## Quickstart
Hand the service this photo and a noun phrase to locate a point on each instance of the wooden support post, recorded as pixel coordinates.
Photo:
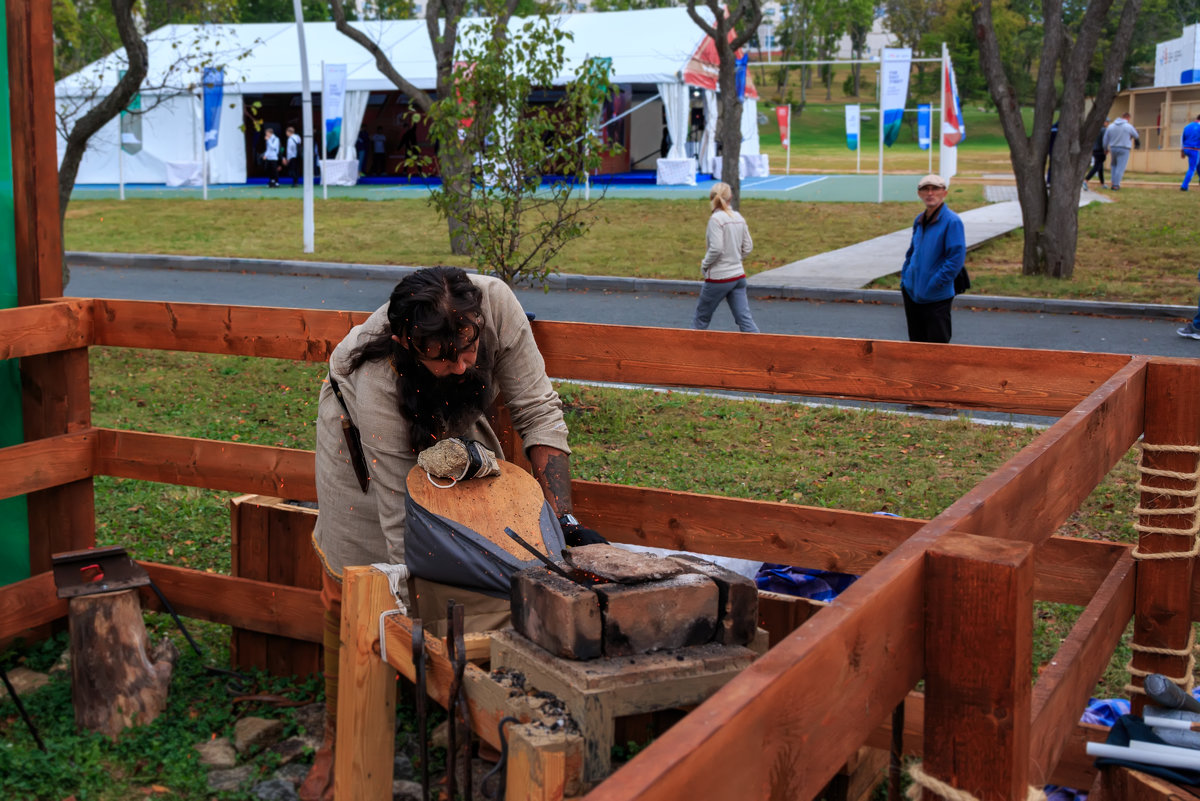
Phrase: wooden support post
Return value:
(540, 763)
(1162, 606)
(978, 643)
(366, 735)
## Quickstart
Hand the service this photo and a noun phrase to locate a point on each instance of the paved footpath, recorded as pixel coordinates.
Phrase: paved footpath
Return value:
(858, 265)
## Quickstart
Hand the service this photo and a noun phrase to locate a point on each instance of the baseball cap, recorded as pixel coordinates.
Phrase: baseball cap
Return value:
(932, 180)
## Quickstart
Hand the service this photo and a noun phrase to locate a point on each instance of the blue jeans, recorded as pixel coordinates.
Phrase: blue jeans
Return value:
(1193, 156)
(1120, 157)
(732, 292)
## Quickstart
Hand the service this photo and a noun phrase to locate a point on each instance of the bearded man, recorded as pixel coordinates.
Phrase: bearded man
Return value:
(422, 368)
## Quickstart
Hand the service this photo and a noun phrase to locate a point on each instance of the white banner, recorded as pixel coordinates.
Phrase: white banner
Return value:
(897, 63)
(333, 97)
(853, 114)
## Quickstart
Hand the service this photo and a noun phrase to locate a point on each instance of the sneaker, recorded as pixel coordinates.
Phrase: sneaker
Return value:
(1190, 331)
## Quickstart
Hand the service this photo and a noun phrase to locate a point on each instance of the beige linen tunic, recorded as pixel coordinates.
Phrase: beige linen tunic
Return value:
(356, 528)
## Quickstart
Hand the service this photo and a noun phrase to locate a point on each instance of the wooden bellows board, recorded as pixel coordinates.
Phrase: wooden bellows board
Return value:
(512, 499)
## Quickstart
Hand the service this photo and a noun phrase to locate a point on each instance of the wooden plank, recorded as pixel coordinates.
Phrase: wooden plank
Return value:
(780, 614)
(29, 603)
(38, 226)
(191, 462)
(299, 334)
(55, 400)
(1029, 381)
(1075, 767)
(1033, 493)
(978, 643)
(1062, 691)
(289, 550)
(367, 712)
(255, 605)
(539, 763)
(248, 524)
(785, 749)
(1069, 570)
(1163, 609)
(46, 463)
(914, 727)
(37, 330)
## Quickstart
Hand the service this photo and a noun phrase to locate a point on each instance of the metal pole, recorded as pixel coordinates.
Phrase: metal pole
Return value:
(789, 142)
(324, 137)
(121, 163)
(204, 169)
(306, 114)
(880, 149)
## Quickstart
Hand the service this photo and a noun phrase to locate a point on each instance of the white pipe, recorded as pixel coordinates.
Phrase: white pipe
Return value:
(1168, 723)
(306, 114)
(1175, 758)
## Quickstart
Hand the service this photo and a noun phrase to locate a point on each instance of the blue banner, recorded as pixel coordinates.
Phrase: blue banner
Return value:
(333, 104)
(743, 63)
(924, 123)
(853, 114)
(214, 86)
(894, 68)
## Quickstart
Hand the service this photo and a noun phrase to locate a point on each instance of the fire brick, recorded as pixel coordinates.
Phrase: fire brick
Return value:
(557, 614)
(640, 618)
(737, 600)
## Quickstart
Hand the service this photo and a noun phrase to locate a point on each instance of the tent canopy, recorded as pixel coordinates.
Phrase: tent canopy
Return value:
(651, 46)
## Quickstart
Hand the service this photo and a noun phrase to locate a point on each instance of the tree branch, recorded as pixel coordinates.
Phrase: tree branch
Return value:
(419, 96)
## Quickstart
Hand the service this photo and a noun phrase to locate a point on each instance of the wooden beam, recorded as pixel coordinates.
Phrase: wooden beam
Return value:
(366, 732)
(46, 463)
(34, 150)
(1064, 688)
(28, 604)
(299, 334)
(36, 330)
(56, 400)
(1026, 381)
(1068, 570)
(1033, 493)
(1164, 587)
(190, 462)
(256, 605)
(978, 643)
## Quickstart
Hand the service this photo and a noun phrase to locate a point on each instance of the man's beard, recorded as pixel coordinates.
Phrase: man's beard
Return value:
(437, 408)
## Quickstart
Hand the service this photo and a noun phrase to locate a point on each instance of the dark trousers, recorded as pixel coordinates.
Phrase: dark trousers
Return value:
(927, 322)
(295, 168)
(272, 166)
(378, 163)
(1097, 167)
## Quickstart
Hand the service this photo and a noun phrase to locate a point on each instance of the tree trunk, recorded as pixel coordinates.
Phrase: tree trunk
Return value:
(729, 130)
(115, 683)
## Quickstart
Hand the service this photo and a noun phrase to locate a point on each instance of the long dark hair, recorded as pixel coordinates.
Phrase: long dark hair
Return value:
(436, 312)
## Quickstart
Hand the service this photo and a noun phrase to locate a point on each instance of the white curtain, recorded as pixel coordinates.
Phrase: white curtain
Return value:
(708, 140)
(750, 127)
(356, 107)
(675, 104)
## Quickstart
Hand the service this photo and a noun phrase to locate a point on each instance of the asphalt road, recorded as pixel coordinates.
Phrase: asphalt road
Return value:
(836, 319)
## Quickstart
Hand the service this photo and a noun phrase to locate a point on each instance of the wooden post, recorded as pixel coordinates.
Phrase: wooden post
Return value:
(540, 763)
(1162, 618)
(366, 735)
(56, 398)
(978, 644)
(115, 681)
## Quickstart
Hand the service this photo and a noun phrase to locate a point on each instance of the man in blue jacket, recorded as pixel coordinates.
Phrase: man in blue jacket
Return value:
(1190, 150)
(934, 260)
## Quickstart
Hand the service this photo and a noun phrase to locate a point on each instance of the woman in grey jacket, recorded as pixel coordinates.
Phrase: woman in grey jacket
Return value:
(724, 279)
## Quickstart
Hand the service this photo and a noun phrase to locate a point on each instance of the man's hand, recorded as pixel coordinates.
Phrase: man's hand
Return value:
(575, 533)
(552, 469)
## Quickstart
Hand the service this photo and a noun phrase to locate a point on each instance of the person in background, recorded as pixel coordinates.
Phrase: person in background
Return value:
(1192, 329)
(728, 239)
(934, 259)
(271, 157)
(361, 148)
(1118, 140)
(378, 151)
(292, 158)
(1098, 156)
(1190, 150)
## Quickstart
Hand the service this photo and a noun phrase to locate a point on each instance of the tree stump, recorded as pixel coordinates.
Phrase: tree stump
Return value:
(115, 682)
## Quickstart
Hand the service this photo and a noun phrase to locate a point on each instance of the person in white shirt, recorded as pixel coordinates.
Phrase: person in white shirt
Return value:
(292, 158)
(271, 157)
(728, 239)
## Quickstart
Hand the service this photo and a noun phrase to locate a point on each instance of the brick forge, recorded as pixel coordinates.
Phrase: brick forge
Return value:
(623, 604)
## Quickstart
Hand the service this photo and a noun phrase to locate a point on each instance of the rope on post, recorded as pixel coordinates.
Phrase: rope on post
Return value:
(923, 781)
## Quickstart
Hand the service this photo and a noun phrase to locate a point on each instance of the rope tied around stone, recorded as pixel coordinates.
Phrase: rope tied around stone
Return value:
(1193, 492)
(923, 781)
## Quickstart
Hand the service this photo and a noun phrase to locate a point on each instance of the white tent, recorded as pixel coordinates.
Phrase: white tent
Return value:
(648, 47)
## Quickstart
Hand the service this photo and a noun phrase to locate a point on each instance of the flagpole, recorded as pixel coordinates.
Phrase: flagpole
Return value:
(789, 141)
(121, 162)
(324, 135)
(880, 146)
(942, 114)
(203, 145)
(306, 115)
